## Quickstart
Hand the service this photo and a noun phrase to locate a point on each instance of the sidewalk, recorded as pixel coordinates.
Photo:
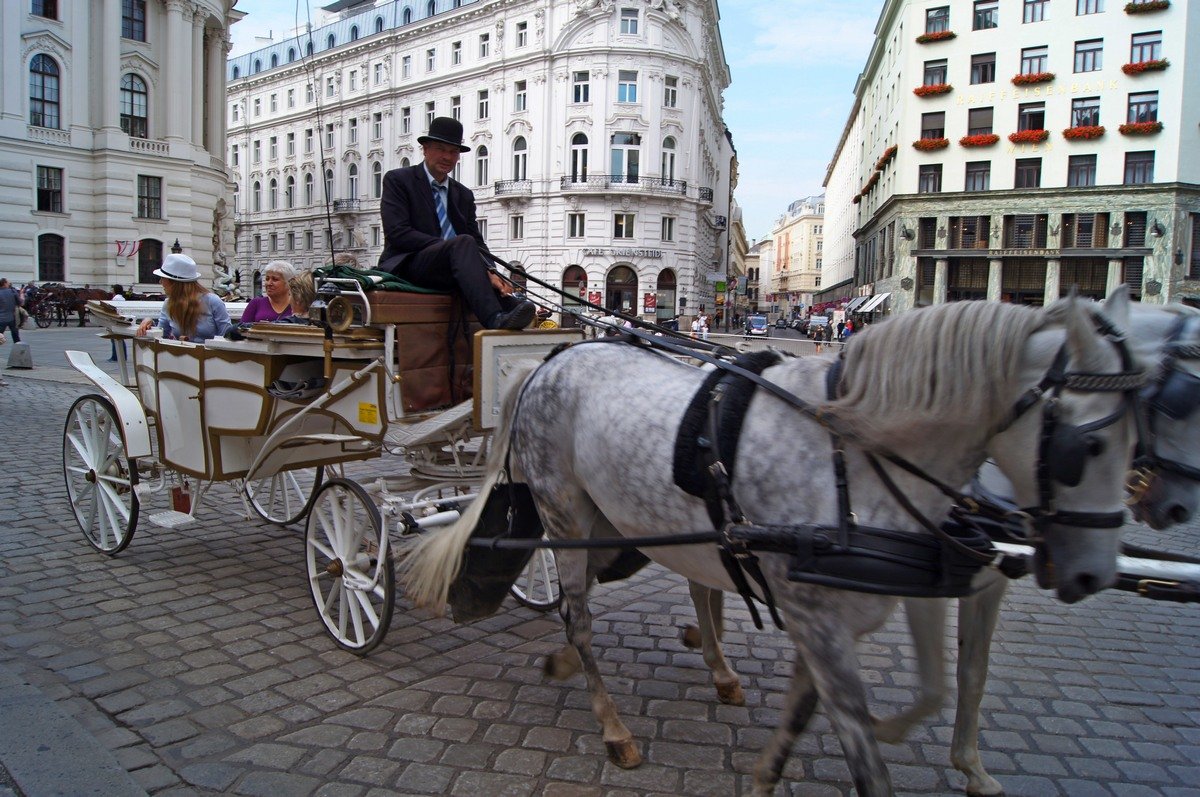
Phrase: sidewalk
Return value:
(46, 346)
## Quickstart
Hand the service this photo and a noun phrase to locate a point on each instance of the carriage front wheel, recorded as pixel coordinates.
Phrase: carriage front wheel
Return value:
(537, 586)
(350, 571)
(100, 478)
(285, 497)
(44, 315)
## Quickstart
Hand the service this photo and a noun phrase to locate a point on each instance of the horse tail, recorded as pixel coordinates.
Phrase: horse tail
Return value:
(430, 562)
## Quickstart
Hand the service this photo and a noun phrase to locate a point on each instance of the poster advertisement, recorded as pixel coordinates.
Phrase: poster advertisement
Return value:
(649, 302)
(594, 297)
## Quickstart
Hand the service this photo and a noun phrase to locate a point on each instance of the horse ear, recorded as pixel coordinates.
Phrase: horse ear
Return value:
(1117, 306)
(1081, 333)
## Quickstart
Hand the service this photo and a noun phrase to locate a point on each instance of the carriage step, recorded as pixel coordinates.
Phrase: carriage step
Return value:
(170, 519)
(321, 438)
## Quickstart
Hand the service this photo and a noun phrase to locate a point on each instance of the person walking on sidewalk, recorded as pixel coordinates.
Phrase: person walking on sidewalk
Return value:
(10, 303)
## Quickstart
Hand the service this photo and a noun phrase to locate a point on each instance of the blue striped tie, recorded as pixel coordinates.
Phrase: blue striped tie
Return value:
(439, 201)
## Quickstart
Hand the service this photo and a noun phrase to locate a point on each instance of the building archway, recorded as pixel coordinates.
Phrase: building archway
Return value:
(574, 283)
(665, 299)
(621, 290)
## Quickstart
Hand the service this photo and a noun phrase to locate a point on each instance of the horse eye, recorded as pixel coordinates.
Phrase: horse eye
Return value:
(1095, 446)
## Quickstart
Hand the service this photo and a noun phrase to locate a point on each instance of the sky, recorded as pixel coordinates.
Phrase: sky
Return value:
(785, 137)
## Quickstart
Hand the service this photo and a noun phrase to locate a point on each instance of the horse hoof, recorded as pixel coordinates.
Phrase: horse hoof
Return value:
(731, 694)
(690, 637)
(624, 753)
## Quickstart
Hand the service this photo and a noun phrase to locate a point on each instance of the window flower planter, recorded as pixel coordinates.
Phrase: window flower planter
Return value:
(1028, 136)
(1083, 133)
(940, 36)
(886, 157)
(1156, 65)
(936, 88)
(979, 140)
(854, 200)
(1030, 79)
(1146, 7)
(1140, 128)
(931, 144)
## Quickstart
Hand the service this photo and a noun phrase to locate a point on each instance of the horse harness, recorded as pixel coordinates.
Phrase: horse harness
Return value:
(1175, 394)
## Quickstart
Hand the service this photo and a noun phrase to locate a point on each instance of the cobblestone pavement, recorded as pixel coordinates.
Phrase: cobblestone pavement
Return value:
(196, 658)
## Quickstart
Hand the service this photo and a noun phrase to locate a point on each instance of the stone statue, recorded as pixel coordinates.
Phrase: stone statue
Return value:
(224, 283)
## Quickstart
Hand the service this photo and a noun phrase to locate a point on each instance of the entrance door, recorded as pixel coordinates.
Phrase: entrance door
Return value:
(574, 284)
(621, 289)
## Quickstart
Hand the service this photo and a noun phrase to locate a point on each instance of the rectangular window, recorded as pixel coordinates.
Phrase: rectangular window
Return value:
(1081, 171)
(983, 68)
(937, 20)
(626, 85)
(352, 130)
(1194, 263)
(483, 229)
(456, 108)
(670, 92)
(987, 14)
(329, 87)
(308, 94)
(522, 34)
(236, 112)
(1084, 231)
(1033, 60)
(234, 155)
(935, 73)
(274, 103)
(1145, 47)
(308, 141)
(520, 95)
(291, 144)
(430, 114)
(580, 87)
(291, 98)
(455, 53)
(376, 126)
(273, 147)
(516, 228)
(377, 74)
(291, 241)
(629, 21)
(1088, 7)
(329, 136)
(1031, 116)
(405, 120)
(1089, 55)
(256, 148)
(1028, 173)
(376, 236)
(406, 66)
(1035, 10)
(929, 178)
(257, 107)
(1139, 167)
(133, 20)
(623, 225)
(274, 242)
(1143, 107)
(45, 8)
(354, 80)
(149, 197)
(979, 176)
(258, 243)
(430, 59)
(933, 125)
(668, 228)
(979, 121)
(49, 189)
(482, 105)
(575, 225)
(308, 240)
(485, 45)
(1085, 112)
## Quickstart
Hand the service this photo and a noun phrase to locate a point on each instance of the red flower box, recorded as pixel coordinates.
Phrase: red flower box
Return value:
(936, 88)
(931, 144)
(1147, 7)
(1083, 133)
(979, 140)
(1155, 65)
(940, 36)
(1028, 136)
(1030, 79)
(1140, 128)
(886, 157)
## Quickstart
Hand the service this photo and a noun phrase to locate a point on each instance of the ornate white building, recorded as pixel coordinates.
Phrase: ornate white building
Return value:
(799, 255)
(1010, 150)
(599, 158)
(113, 133)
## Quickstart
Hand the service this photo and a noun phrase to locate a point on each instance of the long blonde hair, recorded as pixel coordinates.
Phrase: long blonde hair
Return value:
(184, 304)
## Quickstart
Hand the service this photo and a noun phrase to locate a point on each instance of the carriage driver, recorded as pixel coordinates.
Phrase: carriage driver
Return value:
(431, 237)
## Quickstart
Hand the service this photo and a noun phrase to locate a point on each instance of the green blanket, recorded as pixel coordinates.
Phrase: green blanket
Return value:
(371, 279)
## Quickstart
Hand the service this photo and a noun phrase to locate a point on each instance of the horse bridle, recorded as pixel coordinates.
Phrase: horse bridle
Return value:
(1175, 395)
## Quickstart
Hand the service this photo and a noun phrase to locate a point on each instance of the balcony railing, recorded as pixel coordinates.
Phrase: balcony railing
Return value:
(719, 222)
(345, 205)
(706, 195)
(49, 135)
(148, 146)
(593, 182)
(513, 187)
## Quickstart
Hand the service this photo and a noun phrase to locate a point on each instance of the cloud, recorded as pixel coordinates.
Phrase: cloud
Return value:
(801, 33)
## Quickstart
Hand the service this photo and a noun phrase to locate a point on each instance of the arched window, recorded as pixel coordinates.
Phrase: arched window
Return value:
(291, 54)
(330, 41)
(134, 101)
(52, 261)
(273, 194)
(237, 73)
(621, 288)
(377, 180)
(150, 257)
(274, 60)
(668, 161)
(379, 24)
(43, 92)
(352, 181)
(354, 33)
(626, 153)
(520, 159)
(574, 285)
(456, 3)
(579, 158)
(237, 199)
(308, 189)
(481, 166)
(665, 305)
(309, 49)
(407, 16)
(405, 163)
(328, 185)
(257, 65)
(431, 9)
(256, 193)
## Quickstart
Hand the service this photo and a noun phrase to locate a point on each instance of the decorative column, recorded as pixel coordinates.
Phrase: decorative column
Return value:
(995, 278)
(1115, 268)
(198, 96)
(110, 64)
(941, 272)
(178, 71)
(1053, 287)
(218, 48)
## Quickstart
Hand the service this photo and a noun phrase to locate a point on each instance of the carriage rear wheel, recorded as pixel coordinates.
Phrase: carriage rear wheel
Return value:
(100, 479)
(537, 586)
(353, 586)
(285, 497)
(44, 315)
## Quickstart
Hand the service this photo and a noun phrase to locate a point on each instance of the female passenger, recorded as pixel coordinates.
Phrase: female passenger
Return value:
(190, 312)
(276, 301)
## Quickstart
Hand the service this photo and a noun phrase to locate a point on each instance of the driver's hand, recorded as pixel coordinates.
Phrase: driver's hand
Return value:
(499, 284)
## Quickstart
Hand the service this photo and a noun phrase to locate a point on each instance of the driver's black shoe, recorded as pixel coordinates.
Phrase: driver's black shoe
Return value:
(516, 318)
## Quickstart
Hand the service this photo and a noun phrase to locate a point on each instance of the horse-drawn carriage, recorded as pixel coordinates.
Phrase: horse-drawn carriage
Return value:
(278, 415)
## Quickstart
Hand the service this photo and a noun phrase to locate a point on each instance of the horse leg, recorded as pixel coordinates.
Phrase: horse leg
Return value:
(797, 711)
(710, 619)
(977, 616)
(927, 624)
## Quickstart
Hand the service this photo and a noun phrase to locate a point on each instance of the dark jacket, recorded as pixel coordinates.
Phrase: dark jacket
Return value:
(410, 221)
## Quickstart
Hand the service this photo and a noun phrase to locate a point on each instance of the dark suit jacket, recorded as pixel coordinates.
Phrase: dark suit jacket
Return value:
(410, 221)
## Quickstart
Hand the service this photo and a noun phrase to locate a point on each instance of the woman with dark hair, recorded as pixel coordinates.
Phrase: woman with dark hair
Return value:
(191, 311)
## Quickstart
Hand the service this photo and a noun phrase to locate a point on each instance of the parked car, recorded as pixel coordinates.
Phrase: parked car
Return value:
(757, 325)
(797, 324)
(816, 324)
(781, 323)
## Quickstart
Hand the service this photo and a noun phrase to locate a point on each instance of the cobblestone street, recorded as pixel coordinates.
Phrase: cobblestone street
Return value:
(197, 659)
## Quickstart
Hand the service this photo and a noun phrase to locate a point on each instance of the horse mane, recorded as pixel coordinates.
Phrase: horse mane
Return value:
(946, 366)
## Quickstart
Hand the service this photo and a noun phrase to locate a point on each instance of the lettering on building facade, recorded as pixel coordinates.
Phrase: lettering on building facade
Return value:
(622, 252)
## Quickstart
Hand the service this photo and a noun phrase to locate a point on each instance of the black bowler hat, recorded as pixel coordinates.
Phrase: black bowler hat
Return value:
(446, 130)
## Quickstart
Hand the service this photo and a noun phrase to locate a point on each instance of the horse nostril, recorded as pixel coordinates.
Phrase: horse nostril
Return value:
(1179, 514)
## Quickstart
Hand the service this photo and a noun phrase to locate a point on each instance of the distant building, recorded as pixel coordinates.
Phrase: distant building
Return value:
(1010, 151)
(599, 159)
(799, 254)
(113, 136)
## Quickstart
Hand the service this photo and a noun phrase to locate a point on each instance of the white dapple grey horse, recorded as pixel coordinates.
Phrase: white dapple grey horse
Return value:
(592, 432)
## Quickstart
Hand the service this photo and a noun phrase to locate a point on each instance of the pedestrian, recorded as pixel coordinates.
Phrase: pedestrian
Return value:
(847, 331)
(190, 311)
(10, 306)
(841, 327)
(431, 237)
(118, 297)
(276, 301)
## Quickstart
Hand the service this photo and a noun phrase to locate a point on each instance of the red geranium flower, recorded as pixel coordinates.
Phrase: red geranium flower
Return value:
(1140, 128)
(1153, 65)
(936, 88)
(931, 144)
(1084, 132)
(1028, 136)
(979, 140)
(1035, 77)
(940, 36)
